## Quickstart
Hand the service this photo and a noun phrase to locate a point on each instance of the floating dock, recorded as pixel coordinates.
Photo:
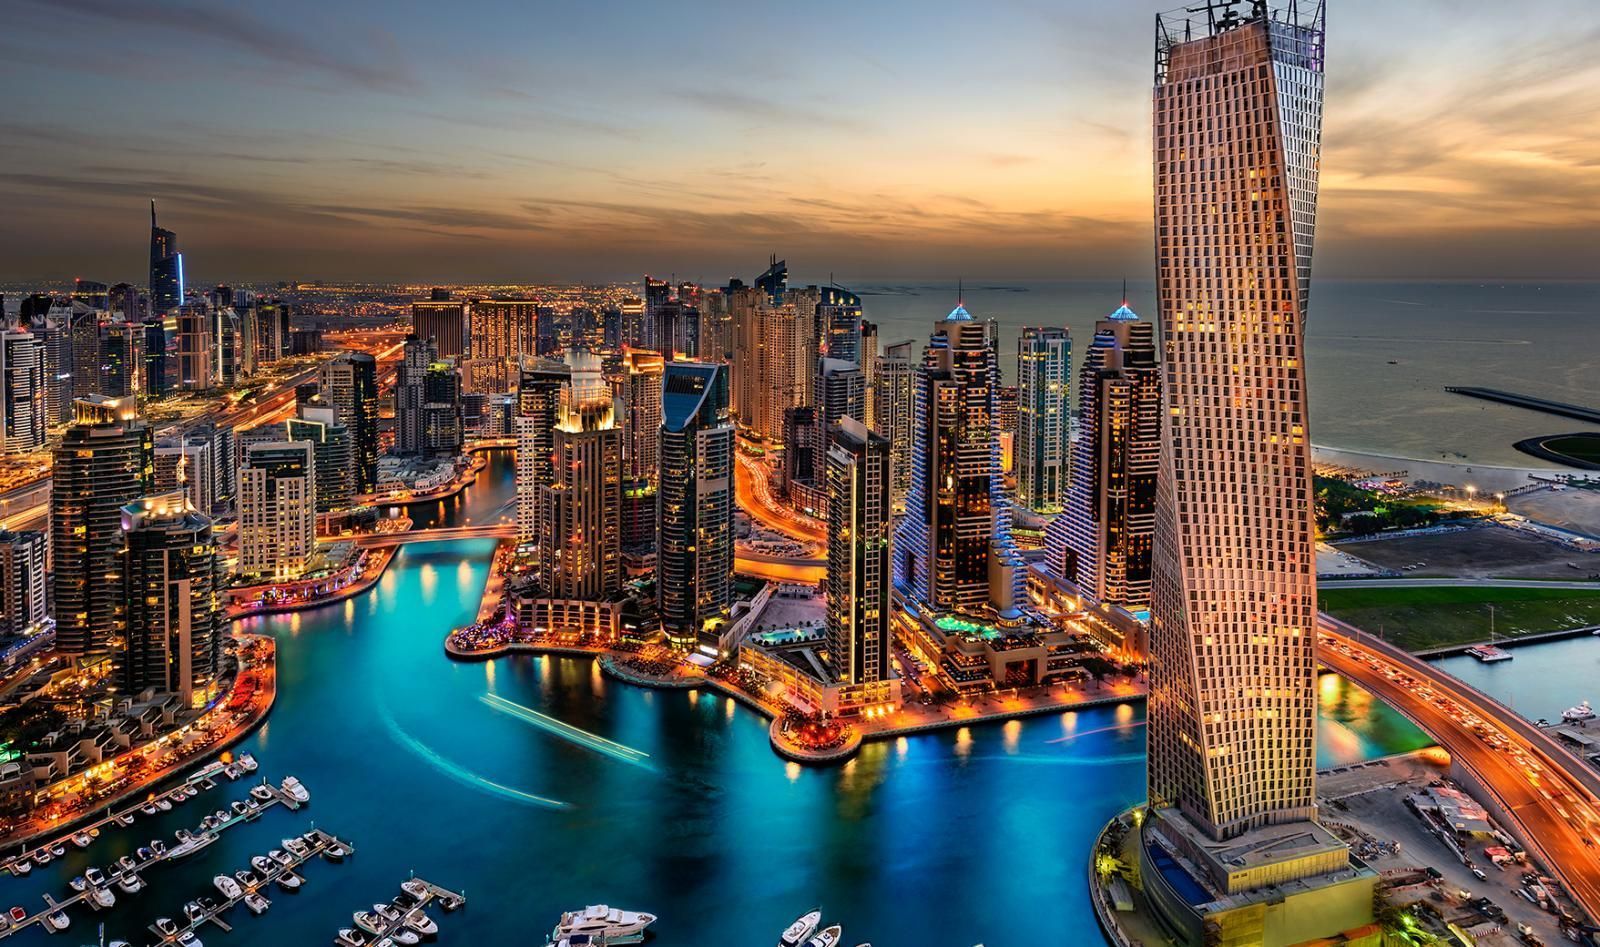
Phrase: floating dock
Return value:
(53, 906)
(319, 842)
(1575, 411)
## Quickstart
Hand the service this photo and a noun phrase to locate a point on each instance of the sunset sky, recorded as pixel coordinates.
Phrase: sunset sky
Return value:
(505, 139)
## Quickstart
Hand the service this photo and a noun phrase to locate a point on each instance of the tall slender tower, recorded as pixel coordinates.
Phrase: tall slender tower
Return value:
(1238, 119)
(22, 392)
(694, 504)
(175, 620)
(1102, 542)
(580, 529)
(1044, 379)
(859, 642)
(894, 379)
(166, 269)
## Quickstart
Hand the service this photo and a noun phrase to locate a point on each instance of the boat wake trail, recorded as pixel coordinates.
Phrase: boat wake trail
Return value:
(1112, 729)
(463, 775)
(566, 731)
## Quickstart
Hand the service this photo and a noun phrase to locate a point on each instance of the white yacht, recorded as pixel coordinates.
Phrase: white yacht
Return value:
(57, 921)
(130, 883)
(191, 845)
(82, 840)
(827, 937)
(297, 847)
(1575, 714)
(368, 922)
(296, 790)
(350, 938)
(21, 866)
(101, 898)
(613, 923)
(289, 881)
(419, 921)
(229, 887)
(256, 903)
(261, 793)
(803, 927)
(246, 762)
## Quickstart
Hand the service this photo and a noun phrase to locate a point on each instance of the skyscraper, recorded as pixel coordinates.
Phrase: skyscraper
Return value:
(174, 582)
(330, 439)
(694, 504)
(955, 537)
(839, 324)
(1102, 541)
(895, 375)
(539, 386)
(443, 427)
(166, 268)
(185, 465)
(502, 330)
(350, 383)
(277, 509)
(23, 406)
(104, 461)
(1232, 707)
(580, 546)
(410, 392)
(23, 597)
(444, 321)
(197, 347)
(1044, 385)
(642, 397)
(841, 393)
(860, 648)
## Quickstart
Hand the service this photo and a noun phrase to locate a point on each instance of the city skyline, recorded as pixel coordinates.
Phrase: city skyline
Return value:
(362, 160)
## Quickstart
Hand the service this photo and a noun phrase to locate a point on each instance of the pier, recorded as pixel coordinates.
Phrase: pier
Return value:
(319, 842)
(52, 906)
(429, 892)
(1574, 411)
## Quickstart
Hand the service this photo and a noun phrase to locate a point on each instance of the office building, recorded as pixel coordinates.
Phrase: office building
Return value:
(694, 505)
(331, 445)
(103, 462)
(860, 645)
(176, 625)
(24, 604)
(1044, 412)
(1102, 541)
(350, 383)
(444, 321)
(166, 269)
(158, 381)
(122, 359)
(277, 509)
(23, 392)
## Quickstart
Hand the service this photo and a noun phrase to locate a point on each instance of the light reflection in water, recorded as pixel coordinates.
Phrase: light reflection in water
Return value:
(1013, 733)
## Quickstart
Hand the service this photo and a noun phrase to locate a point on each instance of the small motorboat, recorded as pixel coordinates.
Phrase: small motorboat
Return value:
(247, 878)
(18, 915)
(183, 835)
(82, 840)
(145, 853)
(21, 867)
(281, 857)
(126, 818)
(58, 921)
(803, 927)
(131, 883)
(289, 881)
(418, 920)
(126, 863)
(239, 808)
(178, 797)
(79, 883)
(227, 886)
(191, 791)
(158, 846)
(263, 793)
(166, 926)
(296, 790)
(387, 912)
(188, 939)
(149, 808)
(262, 864)
(414, 888)
(42, 857)
(256, 903)
(58, 849)
(95, 877)
(193, 910)
(102, 898)
(350, 938)
(297, 847)
(164, 804)
(404, 937)
(246, 762)
(335, 852)
(232, 771)
(827, 937)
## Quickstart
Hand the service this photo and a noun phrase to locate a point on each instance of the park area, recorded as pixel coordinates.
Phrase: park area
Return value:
(1419, 619)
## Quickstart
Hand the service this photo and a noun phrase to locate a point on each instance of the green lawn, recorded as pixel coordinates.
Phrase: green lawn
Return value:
(1422, 618)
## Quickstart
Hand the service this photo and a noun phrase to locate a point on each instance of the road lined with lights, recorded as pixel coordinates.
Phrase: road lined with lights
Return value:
(1548, 795)
(754, 492)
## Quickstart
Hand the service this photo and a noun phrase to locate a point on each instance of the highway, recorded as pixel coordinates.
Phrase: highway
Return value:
(1551, 797)
(754, 493)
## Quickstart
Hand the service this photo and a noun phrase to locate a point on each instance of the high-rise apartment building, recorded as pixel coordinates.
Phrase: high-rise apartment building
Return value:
(277, 509)
(350, 383)
(580, 535)
(694, 504)
(185, 465)
(893, 401)
(1044, 413)
(838, 315)
(23, 392)
(330, 443)
(166, 268)
(410, 393)
(953, 548)
(1233, 696)
(23, 594)
(1102, 541)
(197, 347)
(841, 392)
(539, 386)
(642, 400)
(174, 583)
(104, 461)
(501, 331)
(443, 424)
(860, 646)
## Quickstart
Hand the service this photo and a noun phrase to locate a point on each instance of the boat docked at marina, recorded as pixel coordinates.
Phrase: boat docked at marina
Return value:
(1578, 714)
(803, 927)
(827, 937)
(1489, 654)
(614, 924)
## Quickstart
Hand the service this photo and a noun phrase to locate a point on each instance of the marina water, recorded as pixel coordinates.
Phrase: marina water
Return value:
(665, 801)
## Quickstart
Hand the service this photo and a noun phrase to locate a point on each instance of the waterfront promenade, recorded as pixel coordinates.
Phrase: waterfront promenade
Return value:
(233, 716)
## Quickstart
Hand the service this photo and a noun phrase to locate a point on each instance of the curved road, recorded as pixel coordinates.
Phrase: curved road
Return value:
(1551, 797)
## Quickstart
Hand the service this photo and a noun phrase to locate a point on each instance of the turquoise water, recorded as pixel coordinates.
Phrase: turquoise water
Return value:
(952, 838)
(1542, 680)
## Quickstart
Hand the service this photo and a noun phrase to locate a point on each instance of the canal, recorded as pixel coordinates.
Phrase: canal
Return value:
(955, 838)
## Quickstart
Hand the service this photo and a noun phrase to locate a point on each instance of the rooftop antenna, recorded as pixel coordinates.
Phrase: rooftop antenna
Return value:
(152, 212)
(1124, 290)
(961, 295)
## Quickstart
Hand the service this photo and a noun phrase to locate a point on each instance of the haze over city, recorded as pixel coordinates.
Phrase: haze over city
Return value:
(514, 141)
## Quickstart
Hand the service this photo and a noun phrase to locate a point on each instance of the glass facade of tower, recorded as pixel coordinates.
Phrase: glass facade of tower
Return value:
(1238, 117)
(694, 504)
(1044, 381)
